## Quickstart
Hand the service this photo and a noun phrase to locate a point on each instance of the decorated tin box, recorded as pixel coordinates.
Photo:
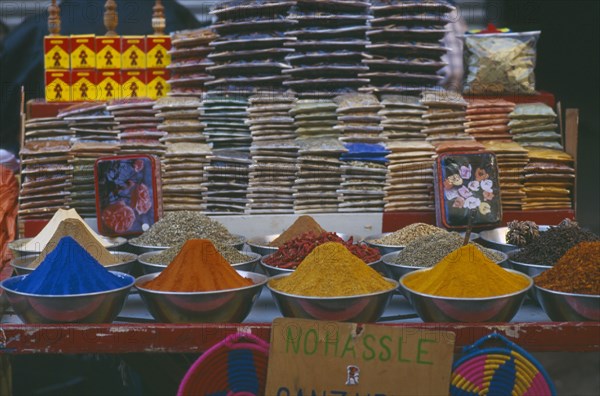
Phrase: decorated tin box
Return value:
(467, 189)
(128, 194)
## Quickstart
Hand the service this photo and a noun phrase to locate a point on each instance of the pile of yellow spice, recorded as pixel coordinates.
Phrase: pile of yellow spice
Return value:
(331, 270)
(466, 273)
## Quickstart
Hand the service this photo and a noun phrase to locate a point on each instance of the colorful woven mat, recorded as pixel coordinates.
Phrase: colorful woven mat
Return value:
(236, 366)
(506, 370)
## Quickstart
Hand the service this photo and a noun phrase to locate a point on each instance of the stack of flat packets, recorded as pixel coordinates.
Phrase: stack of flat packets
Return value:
(534, 125)
(445, 116)
(512, 158)
(329, 43)
(249, 53)
(274, 153)
(488, 119)
(95, 136)
(188, 62)
(405, 50)
(138, 126)
(45, 169)
(549, 179)
(364, 163)
(185, 158)
(402, 118)
(410, 176)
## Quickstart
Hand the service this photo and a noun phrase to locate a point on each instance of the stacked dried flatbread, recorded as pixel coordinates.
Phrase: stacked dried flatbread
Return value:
(274, 154)
(188, 62)
(511, 158)
(45, 169)
(227, 184)
(138, 126)
(487, 119)
(402, 118)
(186, 155)
(364, 178)
(319, 175)
(357, 118)
(534, 125)
(445, 116)
(405, 50)
(250, 52)
(95, 136)
(225, 118)
(329, 42)
(549, 179)
(410, 176)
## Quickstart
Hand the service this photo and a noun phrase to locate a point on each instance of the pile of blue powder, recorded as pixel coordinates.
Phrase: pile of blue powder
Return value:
(69, 269)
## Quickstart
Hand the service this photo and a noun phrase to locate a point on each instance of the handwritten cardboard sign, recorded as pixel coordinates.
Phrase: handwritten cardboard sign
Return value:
(330, 358)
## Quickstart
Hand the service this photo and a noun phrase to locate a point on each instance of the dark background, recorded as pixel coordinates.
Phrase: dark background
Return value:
(568, 66)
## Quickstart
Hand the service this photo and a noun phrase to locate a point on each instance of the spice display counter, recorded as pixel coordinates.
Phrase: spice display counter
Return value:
(135, 331)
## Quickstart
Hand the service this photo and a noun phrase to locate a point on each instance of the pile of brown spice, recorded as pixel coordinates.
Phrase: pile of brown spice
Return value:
(578, 271)
(302, 225)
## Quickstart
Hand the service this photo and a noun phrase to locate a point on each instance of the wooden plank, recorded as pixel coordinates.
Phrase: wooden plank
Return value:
(195, 338)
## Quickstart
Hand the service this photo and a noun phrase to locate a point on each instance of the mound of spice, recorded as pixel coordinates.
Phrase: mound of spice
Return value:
(199, 267)
(291, 253)
(551, 245)
(77, 230)
(521, 233)
(331, 270)
(302, 225)
(69, 269)
(176, 227)
(406, 235)
(40, 241)
(427, 251)
(228, 252)
(466, 273)
(578, 271)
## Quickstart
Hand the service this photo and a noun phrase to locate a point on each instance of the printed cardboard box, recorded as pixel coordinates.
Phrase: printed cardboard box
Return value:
(109, 84)
(133, 53)
(57, 53)
(83, 51)
(58, 86)
(134, 84)
(157, 52)
(83, 87)
(108, 52)
(157, 86)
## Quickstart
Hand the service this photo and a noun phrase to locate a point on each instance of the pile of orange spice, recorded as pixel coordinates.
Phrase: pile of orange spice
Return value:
(577, 271)
(199, 267)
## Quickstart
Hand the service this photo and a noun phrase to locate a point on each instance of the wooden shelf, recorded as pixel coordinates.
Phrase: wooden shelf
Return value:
(195, 338)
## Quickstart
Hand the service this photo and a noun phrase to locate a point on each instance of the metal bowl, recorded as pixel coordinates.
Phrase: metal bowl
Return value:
(222, 306)
(261, 246)
(18, 250)
(361, 308)
(496, 238)
(568, 307)
(397, 270)
(468, 310)
(274, 271)
(99, 307)
(532, 270)
(383, 249)
(23, 265)
(152, 268)
(141, 249)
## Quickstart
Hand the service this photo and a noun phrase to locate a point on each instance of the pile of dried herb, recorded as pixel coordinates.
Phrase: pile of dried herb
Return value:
(551, 245)
(429, 250)
(177, 227)
(406, 235)
(228, 252)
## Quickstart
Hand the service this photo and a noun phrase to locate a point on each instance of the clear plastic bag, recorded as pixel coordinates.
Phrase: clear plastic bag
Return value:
(501, 63)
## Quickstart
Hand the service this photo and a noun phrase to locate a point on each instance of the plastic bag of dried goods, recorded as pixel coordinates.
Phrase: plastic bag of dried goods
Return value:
(501, 63)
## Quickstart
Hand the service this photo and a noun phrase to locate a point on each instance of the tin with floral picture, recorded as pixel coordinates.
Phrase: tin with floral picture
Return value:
(128, 194)
(467, 189)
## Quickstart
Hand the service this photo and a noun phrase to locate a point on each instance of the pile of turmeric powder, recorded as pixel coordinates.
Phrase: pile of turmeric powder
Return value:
(466, 273)
(199, 267)
(331, 270)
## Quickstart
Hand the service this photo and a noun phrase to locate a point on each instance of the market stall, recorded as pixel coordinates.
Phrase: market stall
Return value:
(295, 159)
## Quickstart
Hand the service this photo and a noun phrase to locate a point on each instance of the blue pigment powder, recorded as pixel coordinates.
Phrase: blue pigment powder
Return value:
(69, 269)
